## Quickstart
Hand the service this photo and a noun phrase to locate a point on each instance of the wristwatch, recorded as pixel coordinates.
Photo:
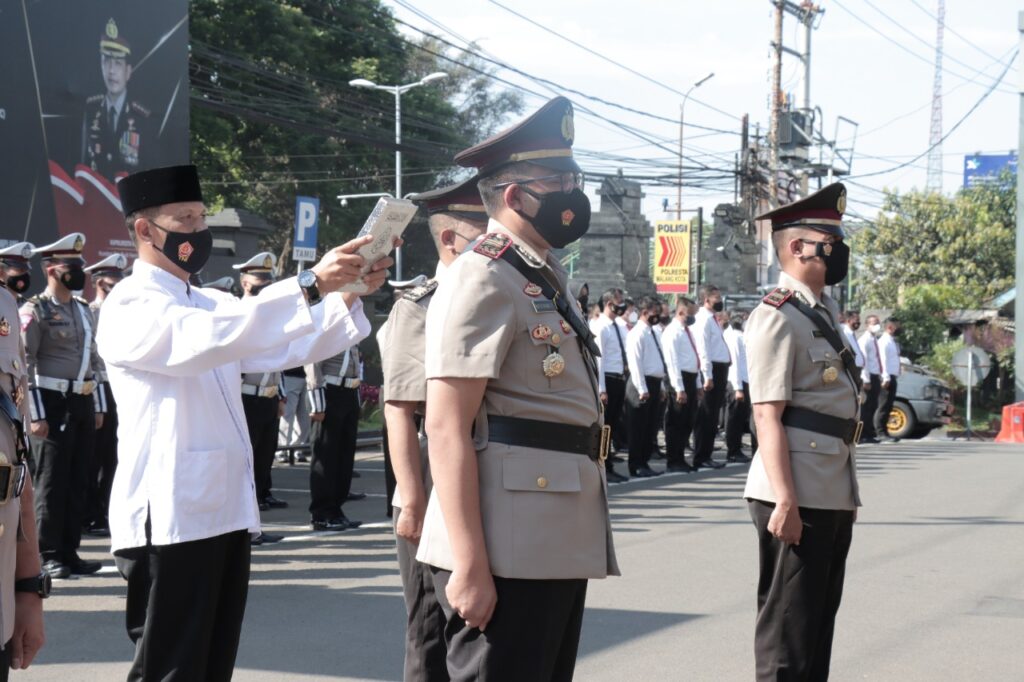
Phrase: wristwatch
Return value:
(307, 282)
(39, 584)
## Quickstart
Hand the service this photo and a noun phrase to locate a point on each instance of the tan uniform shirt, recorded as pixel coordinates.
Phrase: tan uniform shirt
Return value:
(402, 349)
(544, 513)
(787, 358)
(13, 381)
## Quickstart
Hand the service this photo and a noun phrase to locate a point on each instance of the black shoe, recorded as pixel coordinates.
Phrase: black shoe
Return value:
(263, 506)
(329, 524)
(615, 477)
(355, 497)
(891, 440)
(56, 569)
(644, 472)
(98, 529)
(265, 539)
(870, 440)
(79, 566)
(351, 523)
(272, 502)
(301, 458)
(709, 464)
(738, 457)
(679, 468)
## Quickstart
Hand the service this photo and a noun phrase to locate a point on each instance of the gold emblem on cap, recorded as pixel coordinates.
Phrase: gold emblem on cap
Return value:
(111, 29)
(268, 262)
(553, 365)
(79, 243)
(841, 202)
(829, 375)
(568, 127)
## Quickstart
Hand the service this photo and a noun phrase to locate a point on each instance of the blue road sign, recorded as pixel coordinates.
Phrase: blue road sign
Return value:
(983, 169)
(307, 218)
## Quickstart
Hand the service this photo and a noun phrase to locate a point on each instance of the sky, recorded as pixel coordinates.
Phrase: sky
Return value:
(863, 68)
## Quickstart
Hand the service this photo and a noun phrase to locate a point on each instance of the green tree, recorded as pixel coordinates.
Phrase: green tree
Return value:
(922, 312)
(965, 241)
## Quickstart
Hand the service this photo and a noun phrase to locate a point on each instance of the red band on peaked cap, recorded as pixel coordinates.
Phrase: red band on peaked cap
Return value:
(821, 211)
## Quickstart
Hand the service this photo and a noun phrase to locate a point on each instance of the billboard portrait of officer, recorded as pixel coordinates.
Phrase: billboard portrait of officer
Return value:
(117, 134)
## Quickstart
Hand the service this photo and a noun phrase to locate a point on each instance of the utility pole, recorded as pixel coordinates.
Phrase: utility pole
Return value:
(682, 112)
(1018, 305)
(776, 109)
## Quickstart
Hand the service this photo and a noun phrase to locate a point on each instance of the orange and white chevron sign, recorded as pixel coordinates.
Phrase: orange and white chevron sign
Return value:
(672, 256)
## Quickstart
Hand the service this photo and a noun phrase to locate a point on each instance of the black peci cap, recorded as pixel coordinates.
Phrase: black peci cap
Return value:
(159, 186)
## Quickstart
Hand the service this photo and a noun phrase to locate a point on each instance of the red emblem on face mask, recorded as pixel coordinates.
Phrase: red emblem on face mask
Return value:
(567, 217)
(185, 252)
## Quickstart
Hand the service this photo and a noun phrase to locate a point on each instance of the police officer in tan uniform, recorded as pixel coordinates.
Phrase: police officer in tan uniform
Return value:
(262, 394)
(14, 260)
(64, 403)
(518, 518)
(105, 275)
(802, 485)
(456, 217)
(23, 585)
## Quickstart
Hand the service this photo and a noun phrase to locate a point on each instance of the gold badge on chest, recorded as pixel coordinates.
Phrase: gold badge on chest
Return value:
(553, 365)
(829, 375)
(5, 326)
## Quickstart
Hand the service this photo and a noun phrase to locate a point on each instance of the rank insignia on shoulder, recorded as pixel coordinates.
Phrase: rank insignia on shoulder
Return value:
(421, 292)
(541, 332)
(777, 297)
(532, 290)
(493, 245)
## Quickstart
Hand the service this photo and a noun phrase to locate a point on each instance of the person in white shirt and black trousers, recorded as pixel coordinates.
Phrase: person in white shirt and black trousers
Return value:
(872, 377)
(183, 504)
(737, 412)
(613, 368)
(643, 390)
(714, 365)
(683, 365)
(889, 354)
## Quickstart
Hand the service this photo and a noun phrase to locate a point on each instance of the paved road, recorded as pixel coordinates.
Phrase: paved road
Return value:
(935, 586)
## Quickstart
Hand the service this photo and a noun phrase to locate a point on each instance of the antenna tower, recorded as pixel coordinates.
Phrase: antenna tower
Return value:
(934, 182)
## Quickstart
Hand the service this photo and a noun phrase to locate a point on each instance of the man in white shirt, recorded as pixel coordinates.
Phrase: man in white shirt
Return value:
(871, 376)
(714, 366)
(643, 390)
(889, 355)
(183, 503)
(612, 369)
(851, 323)
(683, 367)
(737, 417)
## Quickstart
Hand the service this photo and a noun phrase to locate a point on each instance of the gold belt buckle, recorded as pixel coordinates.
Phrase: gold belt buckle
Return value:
(88, 387)
(857, 432)
(606, 442)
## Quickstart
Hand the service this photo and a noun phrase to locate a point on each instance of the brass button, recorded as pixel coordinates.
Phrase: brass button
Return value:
(542, 482)
(813, 444)
(17, 365)
(556, 339)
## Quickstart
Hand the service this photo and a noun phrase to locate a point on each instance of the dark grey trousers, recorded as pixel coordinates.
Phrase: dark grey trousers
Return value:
(425, 648)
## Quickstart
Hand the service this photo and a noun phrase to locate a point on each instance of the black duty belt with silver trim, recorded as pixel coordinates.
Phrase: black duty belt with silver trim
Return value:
(847, 430)
(592, 441)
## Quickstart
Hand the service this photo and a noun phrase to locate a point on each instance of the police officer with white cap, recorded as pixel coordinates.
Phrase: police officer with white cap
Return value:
(14, 259)
(65, 405)
(105, 275)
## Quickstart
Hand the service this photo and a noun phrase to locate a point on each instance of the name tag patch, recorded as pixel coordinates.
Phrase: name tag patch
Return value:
(544, 306)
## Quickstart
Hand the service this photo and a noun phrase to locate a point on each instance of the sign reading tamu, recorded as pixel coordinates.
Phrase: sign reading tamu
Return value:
(672, 256)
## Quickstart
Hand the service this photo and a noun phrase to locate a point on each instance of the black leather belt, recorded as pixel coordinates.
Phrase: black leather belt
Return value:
(592, 441)
(847, 430)
(616, 375)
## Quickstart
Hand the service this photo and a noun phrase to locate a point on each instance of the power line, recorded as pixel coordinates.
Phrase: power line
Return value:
(953, 31)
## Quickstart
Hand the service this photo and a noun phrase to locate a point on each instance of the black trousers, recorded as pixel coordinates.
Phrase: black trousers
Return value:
(261, 418)
(642, 418)
(706, 427)
(886, 398)
(533, 635)
(679, 421)
(104, 462)
(334, 452)
(737, 420)
(615, 386)
(798, 594)
(185, 607)
(871, 392)
(425, 650)
(5, 662)
(63, 465)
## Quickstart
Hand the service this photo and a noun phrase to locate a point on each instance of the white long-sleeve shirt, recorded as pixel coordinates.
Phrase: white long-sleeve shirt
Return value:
(710, 342)
(609, 337)
(643, 356)
(738, 351)
(851, 338)
(872, 365)
(680, 351)
(890, 352)
(175, 356)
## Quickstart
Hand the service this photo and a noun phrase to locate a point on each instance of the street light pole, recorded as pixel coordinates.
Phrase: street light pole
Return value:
(397, 91)
(682, 111)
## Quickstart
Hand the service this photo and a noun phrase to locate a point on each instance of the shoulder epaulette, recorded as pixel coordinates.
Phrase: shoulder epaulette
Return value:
(777, 297)
(81, 300)
(139, 108)
(94, 98)
(421, 292)
(493, 245)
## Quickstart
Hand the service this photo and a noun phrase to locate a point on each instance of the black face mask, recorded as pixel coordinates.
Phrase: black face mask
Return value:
(836, 256)
(654, 320)
(855, 326)
(73, 278)
(619, 309)
(584, 300)
(19, 284)
(562, 218)
(718, 306)
(188, 250)
(896, 332)
(690, 320)
(255, 289)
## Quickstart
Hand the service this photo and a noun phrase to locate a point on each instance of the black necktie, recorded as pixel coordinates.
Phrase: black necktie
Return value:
(622, 348)
(654, 337)
(110, 119)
